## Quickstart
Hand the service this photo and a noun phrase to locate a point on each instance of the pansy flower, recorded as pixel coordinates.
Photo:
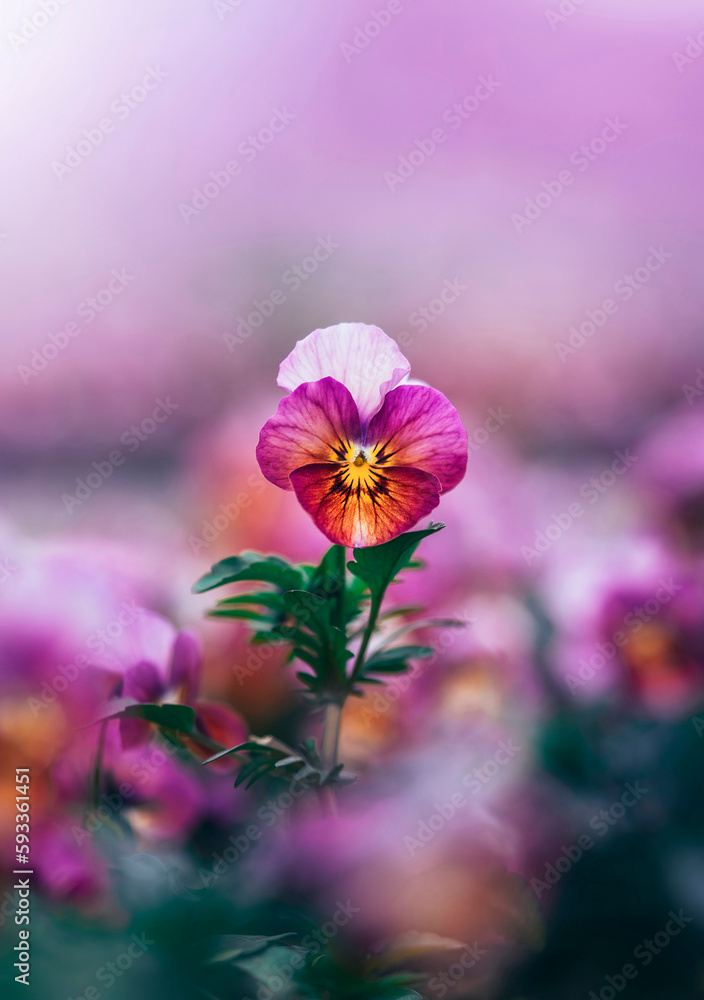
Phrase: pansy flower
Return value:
(159, 665)
(366, 453)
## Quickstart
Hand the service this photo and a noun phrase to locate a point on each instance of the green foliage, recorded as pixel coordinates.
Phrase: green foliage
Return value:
(316, 612)
(228, 947)
(395, 660)
(310, 609)
(319, 642)
(270, 757)
(172, 720)
(250, 566)
(325, 976)
(316, 975)
(379, 565)
(176, 718)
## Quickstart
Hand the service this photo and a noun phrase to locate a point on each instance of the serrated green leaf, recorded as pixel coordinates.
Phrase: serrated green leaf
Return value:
(272, 965)
(177, 718)
(250, 566)
(304, 772)
(424, 623)
(310, 610)
(232, 946)
(326, 580)
(266, 599)
(252, 771)
(262, 745)
(328, 655)
(394, 660)
(378, 565)
(310, 680)
(287, 761)
(282, 635)
(408, 609)
(224, 753)
(241, 614)
(308, 656)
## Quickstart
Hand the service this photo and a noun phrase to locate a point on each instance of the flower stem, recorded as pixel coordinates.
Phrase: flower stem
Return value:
(368, 631)
(328, 753)
(331, 734)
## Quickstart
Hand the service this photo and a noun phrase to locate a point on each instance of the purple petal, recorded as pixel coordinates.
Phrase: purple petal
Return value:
(361, 357)
(149, 637)
(186, 666)
(134, 733)
(143, 682)
(417, 426)
(318, 422)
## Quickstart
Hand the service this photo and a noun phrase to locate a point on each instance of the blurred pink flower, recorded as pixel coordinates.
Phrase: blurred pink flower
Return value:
(628, 618)
(69, 871)
(157, 665)
(671, 470)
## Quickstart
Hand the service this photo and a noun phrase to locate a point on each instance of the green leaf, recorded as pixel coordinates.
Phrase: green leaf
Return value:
(242, 614)
(326, 579)
(325, 975)
(408, 609)
(257, 744)
(310, 610)
(424, 623)
(267, 755)
(310, 680)
(394, 660)
(250, 566)
(265, 599)
(400, 993)
(284, 635)
(272, 965)
(232, 946)
(291, 759)
(253, 771)
(328, 655)
(338, 644)
(311, 749)
(177, 718)
(307, 656)
(224, 753)
(378, 565)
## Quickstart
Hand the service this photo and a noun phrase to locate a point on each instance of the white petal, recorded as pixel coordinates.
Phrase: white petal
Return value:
(362, 357)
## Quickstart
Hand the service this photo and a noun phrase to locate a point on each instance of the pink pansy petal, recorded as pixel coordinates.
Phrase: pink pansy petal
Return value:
(417, 426)
(361, 357)
(68, 867)
(318, 422)
(365, 512)
(134, 733)
(170, 801)
(143, 682)
(186, 666)
(148, 636)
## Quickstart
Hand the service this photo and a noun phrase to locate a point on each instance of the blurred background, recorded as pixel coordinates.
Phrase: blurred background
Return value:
(512, 190)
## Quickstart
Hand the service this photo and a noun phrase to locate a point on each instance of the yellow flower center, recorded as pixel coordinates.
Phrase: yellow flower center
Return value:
(360, 465)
